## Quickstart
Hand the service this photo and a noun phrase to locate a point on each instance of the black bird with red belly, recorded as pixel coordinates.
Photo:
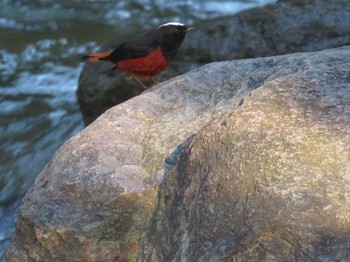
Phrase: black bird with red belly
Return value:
(148, 54)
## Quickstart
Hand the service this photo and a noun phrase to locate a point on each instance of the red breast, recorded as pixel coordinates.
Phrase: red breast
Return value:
(146, 67)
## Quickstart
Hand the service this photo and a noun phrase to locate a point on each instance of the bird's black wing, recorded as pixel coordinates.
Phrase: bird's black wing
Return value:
(135, 48)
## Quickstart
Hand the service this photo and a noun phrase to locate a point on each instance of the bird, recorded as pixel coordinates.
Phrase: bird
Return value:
(145, 55)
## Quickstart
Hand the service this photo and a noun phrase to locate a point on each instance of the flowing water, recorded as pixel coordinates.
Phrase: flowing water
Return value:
(40, 41)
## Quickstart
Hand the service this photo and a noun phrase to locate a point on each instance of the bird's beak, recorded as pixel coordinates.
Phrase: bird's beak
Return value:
(189, 29)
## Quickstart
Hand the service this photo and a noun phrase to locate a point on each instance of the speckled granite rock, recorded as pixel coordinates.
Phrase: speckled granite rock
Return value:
(189, 170)
(268, 181)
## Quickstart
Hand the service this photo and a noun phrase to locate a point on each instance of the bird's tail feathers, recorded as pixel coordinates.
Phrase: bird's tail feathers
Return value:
(95, 57)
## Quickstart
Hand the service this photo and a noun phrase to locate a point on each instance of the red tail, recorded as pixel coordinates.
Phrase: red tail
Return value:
(96, 57)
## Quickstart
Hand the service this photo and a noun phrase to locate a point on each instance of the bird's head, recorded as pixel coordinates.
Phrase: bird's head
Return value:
(172, 33)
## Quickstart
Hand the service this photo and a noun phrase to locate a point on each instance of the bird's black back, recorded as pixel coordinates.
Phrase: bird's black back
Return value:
(139, 46)
(168, 38)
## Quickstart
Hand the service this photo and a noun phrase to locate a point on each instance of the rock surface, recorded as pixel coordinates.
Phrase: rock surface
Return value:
(286, 27)
(191, 171)
(268, 181)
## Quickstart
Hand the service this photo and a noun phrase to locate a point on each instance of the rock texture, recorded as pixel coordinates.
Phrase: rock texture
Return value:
(200, 168)
(286, 27)
(268, 181)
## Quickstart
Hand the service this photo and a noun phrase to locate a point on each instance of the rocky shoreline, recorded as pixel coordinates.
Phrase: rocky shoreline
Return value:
(242, 160)
(262, 158)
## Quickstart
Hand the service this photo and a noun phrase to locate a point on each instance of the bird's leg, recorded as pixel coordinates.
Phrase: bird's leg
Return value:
(138, 81)
(154, 81)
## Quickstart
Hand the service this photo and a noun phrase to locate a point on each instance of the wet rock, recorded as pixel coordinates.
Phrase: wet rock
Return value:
(286, 27)
(195, 169)
(101, 88)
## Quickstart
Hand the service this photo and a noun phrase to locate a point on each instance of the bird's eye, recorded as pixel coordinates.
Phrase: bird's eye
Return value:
(177, 29)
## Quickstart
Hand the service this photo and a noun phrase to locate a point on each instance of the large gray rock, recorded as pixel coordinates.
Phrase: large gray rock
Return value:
(268, 181)
(260, 178)
(286, 27)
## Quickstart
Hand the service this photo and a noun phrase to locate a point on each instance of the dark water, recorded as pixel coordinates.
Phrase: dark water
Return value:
(39, 45)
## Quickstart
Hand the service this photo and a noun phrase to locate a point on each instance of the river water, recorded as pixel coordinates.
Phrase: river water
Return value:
(40, 41)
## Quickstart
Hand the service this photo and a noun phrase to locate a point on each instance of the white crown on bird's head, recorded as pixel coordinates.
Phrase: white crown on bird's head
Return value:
(172, 23)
